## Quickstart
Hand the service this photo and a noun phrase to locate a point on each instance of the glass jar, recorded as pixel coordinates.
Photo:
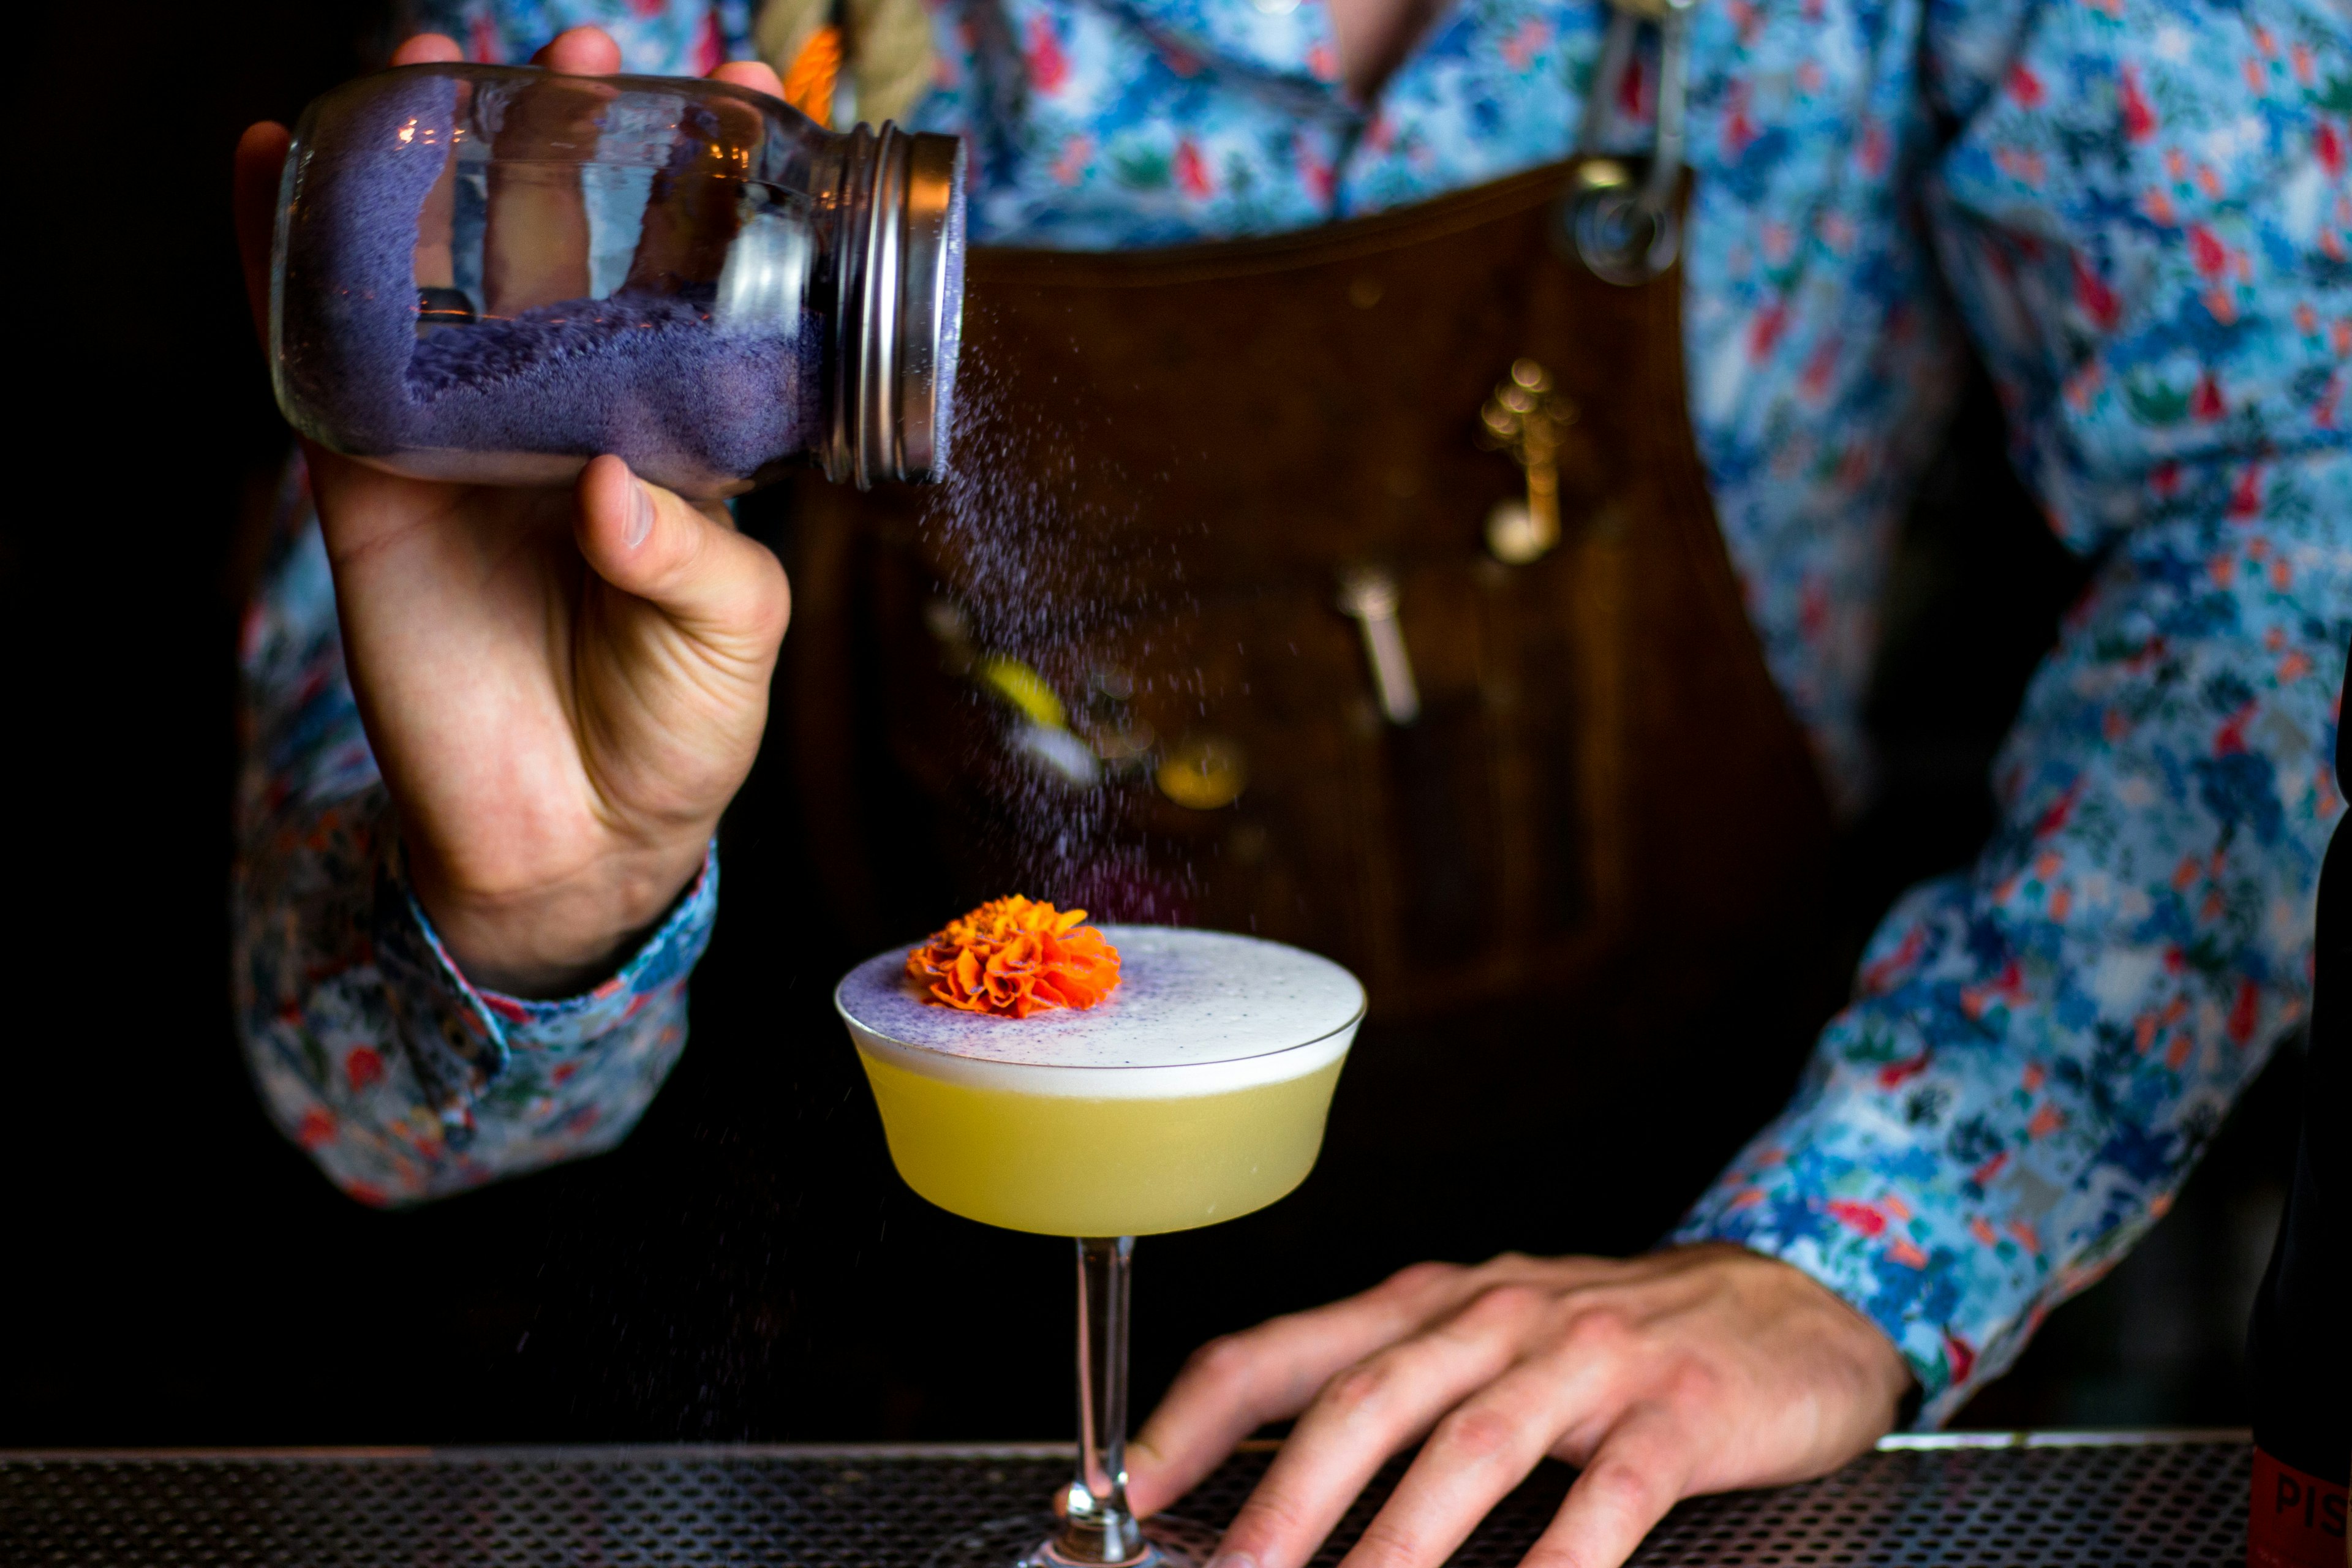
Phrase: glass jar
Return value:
(492, 274)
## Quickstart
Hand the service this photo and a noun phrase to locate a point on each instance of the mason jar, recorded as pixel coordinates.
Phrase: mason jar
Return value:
(493, 273)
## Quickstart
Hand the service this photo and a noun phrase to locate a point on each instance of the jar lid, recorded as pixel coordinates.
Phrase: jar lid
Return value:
(901, 306)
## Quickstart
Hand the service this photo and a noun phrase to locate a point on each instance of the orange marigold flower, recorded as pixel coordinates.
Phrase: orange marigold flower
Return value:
(1012, 957)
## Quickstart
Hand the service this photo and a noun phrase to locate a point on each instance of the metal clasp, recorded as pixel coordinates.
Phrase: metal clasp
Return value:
(1627, 230)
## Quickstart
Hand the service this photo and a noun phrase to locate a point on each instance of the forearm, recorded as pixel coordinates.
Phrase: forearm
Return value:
(2039, 1048)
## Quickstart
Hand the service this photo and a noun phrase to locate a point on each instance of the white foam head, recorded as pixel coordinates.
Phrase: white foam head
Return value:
(1202, 1011)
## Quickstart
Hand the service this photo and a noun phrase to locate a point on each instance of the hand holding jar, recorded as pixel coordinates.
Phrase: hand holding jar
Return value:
(563, 687)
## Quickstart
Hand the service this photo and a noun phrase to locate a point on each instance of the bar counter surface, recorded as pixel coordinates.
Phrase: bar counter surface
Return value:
(2153, 1499)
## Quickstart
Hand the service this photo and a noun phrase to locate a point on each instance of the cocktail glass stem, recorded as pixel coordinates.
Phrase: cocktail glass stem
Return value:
(1099, 1528)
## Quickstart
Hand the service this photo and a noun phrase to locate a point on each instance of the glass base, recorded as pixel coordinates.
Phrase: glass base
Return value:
(1029, 1541)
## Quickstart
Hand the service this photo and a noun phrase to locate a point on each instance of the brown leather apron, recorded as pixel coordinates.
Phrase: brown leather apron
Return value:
(1142, 655)
(1204, 487)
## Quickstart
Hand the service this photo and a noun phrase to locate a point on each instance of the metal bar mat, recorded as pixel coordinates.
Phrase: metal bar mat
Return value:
(2150, 1505)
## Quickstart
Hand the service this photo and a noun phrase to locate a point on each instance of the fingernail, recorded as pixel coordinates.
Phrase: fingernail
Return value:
(1233, 1560)
(641, 517)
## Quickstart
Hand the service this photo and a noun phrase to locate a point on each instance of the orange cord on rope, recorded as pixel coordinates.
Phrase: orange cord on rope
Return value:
(1012, 957)
(808, 84)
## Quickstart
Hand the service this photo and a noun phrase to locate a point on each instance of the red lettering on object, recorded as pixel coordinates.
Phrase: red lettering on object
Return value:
(2294, 1520)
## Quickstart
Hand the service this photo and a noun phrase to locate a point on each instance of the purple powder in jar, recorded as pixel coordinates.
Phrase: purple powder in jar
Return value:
(646, 377)
(531, 397)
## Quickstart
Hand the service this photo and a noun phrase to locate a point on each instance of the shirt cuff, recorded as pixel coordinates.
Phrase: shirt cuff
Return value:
(1841, 1188)
(1849, 1267)
(472, 1046)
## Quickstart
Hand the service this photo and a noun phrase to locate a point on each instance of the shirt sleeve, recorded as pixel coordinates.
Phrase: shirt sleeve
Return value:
(372, 1051)
(2142, 213)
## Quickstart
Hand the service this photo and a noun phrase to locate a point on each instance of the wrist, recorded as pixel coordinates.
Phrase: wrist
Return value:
(1853, 1350)
(557, 938)
(1870, 1361)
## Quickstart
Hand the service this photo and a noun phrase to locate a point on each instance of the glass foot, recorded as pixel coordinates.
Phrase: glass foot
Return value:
(1029, 1541)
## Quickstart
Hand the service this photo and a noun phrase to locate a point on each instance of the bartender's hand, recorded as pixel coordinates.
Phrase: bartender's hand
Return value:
(563, 689)
(1699, 1368)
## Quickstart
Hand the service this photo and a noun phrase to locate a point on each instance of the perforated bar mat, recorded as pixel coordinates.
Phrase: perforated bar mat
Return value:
(2153, 1504)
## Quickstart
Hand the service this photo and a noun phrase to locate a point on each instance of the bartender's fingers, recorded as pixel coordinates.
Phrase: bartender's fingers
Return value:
(536, 238)
(757, 75)
(1640, 1470)
(1233, 1385)
(725, 590)
(581, 51)
(428, 49)
(261, 157)
(1484, 1448)
(1377, 1408)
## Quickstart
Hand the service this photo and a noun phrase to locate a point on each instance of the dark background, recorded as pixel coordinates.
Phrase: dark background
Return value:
(171, 1271)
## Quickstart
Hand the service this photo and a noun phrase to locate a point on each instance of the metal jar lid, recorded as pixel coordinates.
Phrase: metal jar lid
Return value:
(900, 311)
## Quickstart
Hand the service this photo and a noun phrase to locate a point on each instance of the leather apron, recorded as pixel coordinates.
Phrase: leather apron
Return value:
(1220, 623)
(1193, 468)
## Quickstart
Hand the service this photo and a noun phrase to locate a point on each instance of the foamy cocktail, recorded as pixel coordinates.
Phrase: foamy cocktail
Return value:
(1194, 1094)
(1194, 1091)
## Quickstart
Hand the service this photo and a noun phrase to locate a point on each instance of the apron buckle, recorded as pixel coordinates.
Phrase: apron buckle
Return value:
(1627, 229)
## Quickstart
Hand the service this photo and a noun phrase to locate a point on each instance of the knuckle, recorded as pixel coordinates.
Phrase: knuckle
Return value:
(1419, 1277)
(1227, 1359)
(1387, 1545)
(1691, 1384)
(1512, 1302)
(1267, 1519)
(1621, 1487)
(1601, 1328)
(1361, 1388)
(1478, 1432)
(1566, 1554)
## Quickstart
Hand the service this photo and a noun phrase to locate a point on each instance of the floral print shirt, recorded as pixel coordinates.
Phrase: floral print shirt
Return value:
(2137, 209)
(372, 1051)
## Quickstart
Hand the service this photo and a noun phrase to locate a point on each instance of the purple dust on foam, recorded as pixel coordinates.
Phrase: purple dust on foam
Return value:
(1184, 996)
(642, 375)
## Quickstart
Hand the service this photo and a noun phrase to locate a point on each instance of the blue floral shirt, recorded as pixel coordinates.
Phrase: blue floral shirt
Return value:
(2138, 211)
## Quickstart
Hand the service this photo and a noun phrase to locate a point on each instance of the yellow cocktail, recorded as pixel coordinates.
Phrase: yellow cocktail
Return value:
(1196, 1092)
(1073, 1164)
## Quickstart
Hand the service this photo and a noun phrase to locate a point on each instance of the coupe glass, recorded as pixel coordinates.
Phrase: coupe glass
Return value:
(1195, 1093)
